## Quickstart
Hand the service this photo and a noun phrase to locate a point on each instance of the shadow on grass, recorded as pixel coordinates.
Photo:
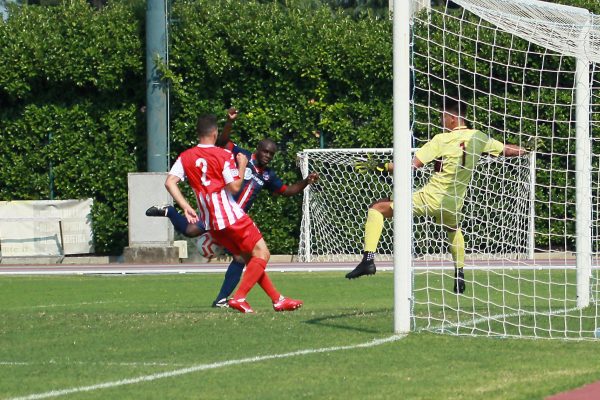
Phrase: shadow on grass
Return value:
(354, 318)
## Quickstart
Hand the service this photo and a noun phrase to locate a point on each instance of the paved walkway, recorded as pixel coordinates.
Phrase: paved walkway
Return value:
(62, 269)
(587, 392)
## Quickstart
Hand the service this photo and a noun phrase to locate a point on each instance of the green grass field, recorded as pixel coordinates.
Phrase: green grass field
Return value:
(111, 337)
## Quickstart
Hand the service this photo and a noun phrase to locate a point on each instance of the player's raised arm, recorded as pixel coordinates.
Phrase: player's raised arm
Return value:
(416, 163)
(370, 164)
(234, 186)
(223, 138)
(512, 150)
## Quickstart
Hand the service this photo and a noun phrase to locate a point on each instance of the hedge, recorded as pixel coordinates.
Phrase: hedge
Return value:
(72, 85)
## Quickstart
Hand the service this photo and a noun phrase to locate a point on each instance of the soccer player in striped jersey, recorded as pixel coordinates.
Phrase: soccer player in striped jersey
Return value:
(456, 152)
(257, 176)
(214, 177)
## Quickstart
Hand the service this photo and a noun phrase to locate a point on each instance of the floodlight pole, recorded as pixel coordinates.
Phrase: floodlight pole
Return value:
(156, 89)
(402, 167)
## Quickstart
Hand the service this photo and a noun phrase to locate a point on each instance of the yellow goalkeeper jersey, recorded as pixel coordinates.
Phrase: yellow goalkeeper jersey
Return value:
(456, 154)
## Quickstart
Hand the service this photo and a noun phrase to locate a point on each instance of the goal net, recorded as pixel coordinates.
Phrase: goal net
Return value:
(528, 72)
(496, 216)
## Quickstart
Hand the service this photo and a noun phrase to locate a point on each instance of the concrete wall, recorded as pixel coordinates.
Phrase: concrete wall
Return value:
(150, 238)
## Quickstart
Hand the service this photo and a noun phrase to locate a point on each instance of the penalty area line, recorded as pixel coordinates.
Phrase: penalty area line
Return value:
(203, 367)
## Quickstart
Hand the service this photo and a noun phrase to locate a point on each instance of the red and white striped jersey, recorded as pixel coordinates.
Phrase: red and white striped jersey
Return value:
(209, 169)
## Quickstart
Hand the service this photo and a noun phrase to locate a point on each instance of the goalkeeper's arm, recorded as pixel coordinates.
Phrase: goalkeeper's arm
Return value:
(416, 164)
(387, 167)
(512, 150)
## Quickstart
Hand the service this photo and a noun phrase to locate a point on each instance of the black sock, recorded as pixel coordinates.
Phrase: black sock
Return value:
(368, 256)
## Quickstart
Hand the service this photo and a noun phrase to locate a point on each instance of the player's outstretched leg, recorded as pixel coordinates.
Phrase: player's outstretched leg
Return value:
(255, 269)
(459, 280)
(157, 211)
(179, 221)
(366, 267)
(373, 228)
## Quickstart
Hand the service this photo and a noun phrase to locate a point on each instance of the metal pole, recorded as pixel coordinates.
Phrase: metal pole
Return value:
(156, 89)
(583, 181)
(50, 171)
(306, 215)
(402, 167)
(531, 232)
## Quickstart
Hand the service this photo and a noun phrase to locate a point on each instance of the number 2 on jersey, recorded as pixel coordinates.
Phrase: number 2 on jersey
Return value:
(203, 165)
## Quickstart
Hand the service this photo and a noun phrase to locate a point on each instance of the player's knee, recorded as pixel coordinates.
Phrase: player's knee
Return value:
(239, 259)
(261, 250)
(377, 203)
(193, 231)
(383, 206)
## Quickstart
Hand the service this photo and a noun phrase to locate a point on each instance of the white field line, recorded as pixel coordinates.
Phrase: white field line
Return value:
(497, 317)
(203, 367)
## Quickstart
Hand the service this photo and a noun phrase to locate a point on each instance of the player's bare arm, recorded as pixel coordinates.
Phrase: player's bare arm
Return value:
(172, 185)
(242, 162)
(416, 164)
(512, 150)
(301, 185)
(223, 138)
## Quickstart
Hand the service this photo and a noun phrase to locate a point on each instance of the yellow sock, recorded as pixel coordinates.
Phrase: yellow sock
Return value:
(457, 247)
(373, 229)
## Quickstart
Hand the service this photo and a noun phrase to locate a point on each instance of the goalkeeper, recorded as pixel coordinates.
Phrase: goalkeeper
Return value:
(456, 152)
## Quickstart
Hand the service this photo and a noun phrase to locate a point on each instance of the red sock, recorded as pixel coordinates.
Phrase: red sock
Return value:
(254, 271)
(266, 284)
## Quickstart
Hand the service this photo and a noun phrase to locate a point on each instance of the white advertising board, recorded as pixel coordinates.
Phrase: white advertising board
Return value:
(45, 227)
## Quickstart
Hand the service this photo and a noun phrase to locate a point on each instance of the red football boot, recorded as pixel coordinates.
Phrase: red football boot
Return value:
(287, 304)
(241, 305)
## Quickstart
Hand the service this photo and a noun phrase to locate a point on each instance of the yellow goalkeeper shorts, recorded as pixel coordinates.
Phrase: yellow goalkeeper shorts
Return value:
(449, 217)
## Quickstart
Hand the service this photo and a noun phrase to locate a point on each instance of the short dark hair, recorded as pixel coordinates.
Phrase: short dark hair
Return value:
(206, 124)
(456, 107)
(266, 142)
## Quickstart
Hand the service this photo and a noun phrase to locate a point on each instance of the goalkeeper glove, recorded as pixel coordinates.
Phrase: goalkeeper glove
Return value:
(532, 143)
(370, 165)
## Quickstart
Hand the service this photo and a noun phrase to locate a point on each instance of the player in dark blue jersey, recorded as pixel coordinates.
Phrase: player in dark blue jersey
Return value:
(257, 176)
